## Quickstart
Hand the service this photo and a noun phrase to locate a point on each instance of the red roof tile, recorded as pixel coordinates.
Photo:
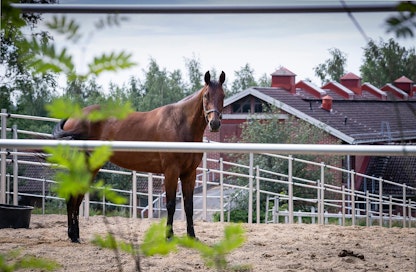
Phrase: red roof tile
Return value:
(350, 76)
(282, 71)
(403, 79)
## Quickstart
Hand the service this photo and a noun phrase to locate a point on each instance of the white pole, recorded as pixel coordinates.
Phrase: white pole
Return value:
(15, 170)
(204, 187)
(380, 202)
(150, 195)
(290, 190)
(322, 200)
(257, 194)
(87, 205)
(404, 205)
(3, 159)
(134, 195)
(221, 191)
(250, 190)
(353, 197)
(318, 184)
(343, 205)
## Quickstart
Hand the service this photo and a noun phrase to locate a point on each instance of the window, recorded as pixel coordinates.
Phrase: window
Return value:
(248, 104)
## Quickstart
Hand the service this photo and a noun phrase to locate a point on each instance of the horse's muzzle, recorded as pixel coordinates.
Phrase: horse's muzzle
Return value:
(214, 125)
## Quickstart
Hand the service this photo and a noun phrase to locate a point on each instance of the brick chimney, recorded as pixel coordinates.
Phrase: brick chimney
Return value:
(327, 103)
(404, 84)
(283, 78)
(352, 82)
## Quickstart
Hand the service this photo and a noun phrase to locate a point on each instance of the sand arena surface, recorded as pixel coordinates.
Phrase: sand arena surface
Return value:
(272, 247)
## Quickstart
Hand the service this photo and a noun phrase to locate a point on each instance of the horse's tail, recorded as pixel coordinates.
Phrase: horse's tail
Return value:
(59, 132)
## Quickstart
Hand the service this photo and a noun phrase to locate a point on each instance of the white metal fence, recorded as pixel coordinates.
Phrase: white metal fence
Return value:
(218, 191)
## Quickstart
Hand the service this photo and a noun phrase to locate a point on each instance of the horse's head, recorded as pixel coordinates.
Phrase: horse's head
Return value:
(213, 100)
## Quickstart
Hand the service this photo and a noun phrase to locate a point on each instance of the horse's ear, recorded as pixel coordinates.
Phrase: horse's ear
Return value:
(207, 78)
(222, 77)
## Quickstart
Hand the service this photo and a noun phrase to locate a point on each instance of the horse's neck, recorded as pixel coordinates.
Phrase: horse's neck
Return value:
(193, 109)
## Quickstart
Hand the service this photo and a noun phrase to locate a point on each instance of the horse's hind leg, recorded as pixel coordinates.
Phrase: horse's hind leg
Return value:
(72, 207)
(171, 184)
(188, 185)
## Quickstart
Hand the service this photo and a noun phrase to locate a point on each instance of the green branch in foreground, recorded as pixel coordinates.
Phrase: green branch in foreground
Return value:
(12, 261)
(155, 243)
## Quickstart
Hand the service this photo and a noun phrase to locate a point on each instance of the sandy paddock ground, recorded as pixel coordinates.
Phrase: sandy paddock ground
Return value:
(272, 247)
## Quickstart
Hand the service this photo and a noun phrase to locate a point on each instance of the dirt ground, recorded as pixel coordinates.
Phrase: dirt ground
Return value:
(272, 247)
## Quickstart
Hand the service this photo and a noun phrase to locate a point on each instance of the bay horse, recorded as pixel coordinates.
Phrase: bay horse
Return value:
(183, 121)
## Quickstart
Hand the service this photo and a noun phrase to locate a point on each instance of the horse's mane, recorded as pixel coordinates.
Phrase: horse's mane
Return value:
(189, 97)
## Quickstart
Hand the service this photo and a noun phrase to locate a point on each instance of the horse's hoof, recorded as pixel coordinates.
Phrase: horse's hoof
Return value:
(76, 240)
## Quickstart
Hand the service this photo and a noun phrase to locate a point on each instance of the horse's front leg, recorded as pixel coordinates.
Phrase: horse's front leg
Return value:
(72, 207)
(188, 185)
(171, 184)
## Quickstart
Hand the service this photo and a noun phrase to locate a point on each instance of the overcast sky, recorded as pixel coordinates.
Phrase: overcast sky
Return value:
(298, 42)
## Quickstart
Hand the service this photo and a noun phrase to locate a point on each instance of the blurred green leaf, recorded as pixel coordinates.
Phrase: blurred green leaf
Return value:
(110, 20)
(61, 108)
(110, 62)
(99, 156)
(155, 241)
(68, 28)
(105, 191)
(31, 262)
(75, 177)
(12, 261)
(110, 242)
(44, 57)
(403, 23)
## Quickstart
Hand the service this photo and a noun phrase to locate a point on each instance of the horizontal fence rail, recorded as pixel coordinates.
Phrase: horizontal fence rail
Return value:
(193, 147)
(205, 9)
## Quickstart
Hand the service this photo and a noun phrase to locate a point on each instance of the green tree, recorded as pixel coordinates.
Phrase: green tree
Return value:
(85, 92)
(244, 79)
(135, 92)
(195, 74)
(265, 81)
(333, 68)
(20, 88)
(160, 87)
(386, 61)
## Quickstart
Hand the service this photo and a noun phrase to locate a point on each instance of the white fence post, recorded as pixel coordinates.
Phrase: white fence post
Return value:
(290, 189)
(3, 158)
(380, 202)
(250, 189)
(410, 213)
(134, 195)
(204, 187)
(87, 205)
(353, 197)
(343, 205)
(149, 195)
(322, 200)
(221, 191)
(404, 205)
(390, 211)
(257, 194)
(276, 209)
(318, 201)
(15, 170)
(367, 208)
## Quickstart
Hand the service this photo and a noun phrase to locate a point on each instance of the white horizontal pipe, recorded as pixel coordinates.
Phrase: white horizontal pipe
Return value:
(197, 147)
(203, 9)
